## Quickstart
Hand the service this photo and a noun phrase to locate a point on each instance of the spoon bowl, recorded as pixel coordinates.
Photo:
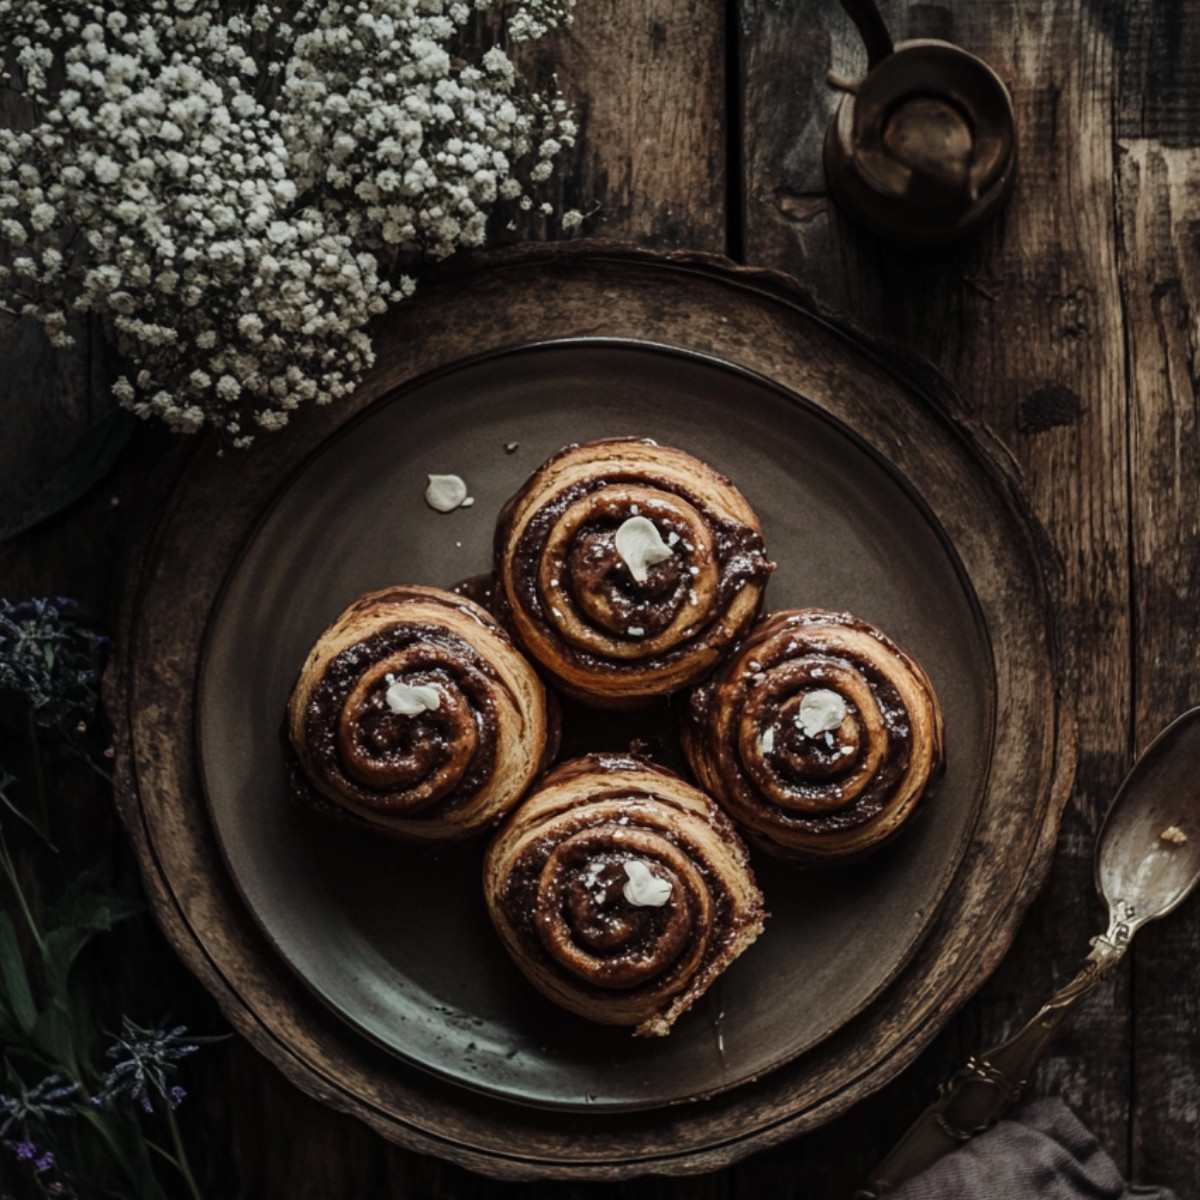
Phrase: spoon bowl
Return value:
(1148, 853)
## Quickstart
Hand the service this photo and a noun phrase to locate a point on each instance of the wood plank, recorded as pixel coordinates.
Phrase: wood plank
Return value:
(1158, 81)
(647, 82)
(789, 220)
(1158, 199)
(1159, 204)
(1026, 321)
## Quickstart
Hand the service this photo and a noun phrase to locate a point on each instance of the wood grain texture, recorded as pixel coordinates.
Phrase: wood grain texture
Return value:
(1158, 207)
(1159, 204)
(647, 82)
(789, 220)
(1069, 327)
(1027, 322)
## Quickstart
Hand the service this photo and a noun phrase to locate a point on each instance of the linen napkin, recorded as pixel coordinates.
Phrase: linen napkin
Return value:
(1041, 1153)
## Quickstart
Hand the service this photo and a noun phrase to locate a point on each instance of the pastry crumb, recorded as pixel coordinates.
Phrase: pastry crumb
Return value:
(509, 447)
(1174, 835)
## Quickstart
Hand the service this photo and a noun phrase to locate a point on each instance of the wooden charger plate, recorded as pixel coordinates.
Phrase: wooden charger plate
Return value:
(395, 1001)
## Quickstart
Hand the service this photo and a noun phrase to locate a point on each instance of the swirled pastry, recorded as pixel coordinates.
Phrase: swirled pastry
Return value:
(621, 891)
(627, 569)
(415, 714)
(819, 736)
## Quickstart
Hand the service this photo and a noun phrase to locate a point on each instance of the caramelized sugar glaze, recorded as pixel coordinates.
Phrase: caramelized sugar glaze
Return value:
(557, 878)
(443, 773)
(829, 796)
(562, 588)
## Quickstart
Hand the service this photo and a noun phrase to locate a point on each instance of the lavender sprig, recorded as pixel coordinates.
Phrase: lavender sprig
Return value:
(32, 1107)
(52, 660)
(145, 1059)
(27, 1151)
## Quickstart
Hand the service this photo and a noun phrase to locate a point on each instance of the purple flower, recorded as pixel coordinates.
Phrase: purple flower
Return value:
(44, 1163)
(50, 658)
(24, 1150)
(145, 1058)
(34, 1106)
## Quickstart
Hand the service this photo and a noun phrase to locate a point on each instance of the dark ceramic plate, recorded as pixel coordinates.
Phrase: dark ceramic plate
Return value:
(396, 939)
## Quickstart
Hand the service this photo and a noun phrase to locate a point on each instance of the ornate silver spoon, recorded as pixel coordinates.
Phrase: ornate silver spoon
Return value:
(1147, 861)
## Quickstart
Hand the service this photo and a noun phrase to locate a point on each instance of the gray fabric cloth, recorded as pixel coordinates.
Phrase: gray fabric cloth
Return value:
(1042, 1153)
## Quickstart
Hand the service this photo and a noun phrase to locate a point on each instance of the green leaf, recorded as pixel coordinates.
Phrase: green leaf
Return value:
(79, 1006)
(10, 1032)
(53, 1035)
(81, 909)
(62, 948)
(128, 1147)
(14, 981)
(74, 921)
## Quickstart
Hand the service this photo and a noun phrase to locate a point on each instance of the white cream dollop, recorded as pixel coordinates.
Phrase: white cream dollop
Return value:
(644, 889)
(407, 700)
(445, 492)
(640, 546)
(820, 711)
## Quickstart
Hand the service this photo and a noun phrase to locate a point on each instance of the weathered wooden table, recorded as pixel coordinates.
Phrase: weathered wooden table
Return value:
(1068, 326)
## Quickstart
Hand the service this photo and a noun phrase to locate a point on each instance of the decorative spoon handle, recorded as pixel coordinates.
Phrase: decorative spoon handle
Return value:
(979, 1094)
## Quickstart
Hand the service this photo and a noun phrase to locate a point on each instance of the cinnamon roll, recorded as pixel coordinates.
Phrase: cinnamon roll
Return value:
(416, 715)
(627, 569)
(820, 736)
(621, 891)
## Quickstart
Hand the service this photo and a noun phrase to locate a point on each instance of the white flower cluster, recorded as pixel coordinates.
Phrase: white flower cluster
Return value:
(229, 189)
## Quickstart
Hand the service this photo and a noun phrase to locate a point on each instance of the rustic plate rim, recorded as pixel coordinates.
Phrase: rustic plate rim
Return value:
(157, 792)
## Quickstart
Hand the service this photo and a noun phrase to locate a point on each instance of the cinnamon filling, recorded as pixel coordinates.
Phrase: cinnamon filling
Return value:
(395, 763)
(835, 780)
(715, 558)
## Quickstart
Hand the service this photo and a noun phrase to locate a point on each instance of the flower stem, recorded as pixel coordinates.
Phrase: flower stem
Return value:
(181, 1159)
(87, 759)
(39, 774)
(11, 872)
(163, 1154)
(97, 1121)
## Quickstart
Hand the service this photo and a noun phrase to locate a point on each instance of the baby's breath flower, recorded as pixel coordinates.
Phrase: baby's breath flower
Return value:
(107, 170)
(535, 18)
(237, 240)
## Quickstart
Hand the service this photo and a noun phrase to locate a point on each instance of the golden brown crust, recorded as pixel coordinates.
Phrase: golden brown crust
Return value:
(572, 603)
(554, 879)
(438, 775)
(829, 796)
